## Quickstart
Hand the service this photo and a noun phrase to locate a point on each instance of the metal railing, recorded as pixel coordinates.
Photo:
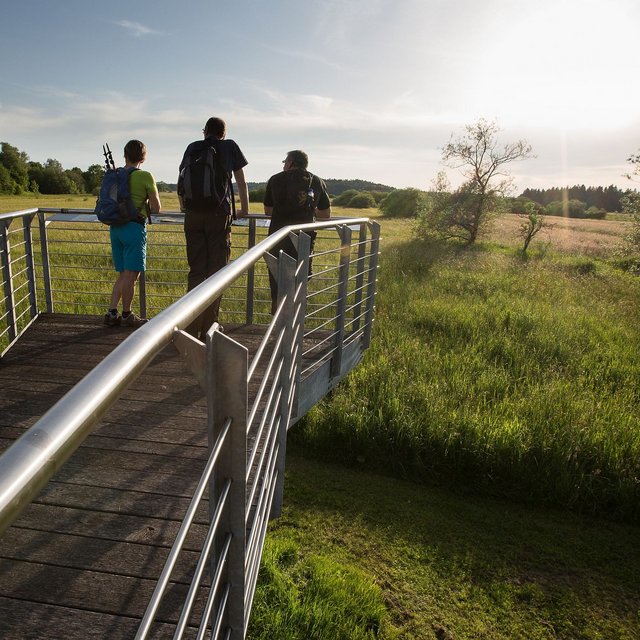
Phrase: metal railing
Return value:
(318, 333)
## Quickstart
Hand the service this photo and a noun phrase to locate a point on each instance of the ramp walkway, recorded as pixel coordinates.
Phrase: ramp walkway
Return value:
(140, 469)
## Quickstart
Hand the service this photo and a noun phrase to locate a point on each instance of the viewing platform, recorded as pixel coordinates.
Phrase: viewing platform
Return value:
(140, 468)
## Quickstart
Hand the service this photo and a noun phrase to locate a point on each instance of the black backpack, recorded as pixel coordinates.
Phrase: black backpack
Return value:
(204, 184)
(300, 199)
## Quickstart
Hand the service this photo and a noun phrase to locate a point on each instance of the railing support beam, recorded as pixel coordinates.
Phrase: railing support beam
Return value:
(341, 303)
(227, 397)
(9, 299)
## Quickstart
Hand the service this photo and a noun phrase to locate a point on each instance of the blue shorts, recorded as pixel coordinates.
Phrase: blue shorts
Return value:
(129, 246)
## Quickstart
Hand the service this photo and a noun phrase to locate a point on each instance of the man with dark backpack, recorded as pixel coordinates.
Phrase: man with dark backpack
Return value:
(207, 200)
(294, 196)
(129, 234)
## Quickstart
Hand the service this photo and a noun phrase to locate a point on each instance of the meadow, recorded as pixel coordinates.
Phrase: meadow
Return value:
(517, 377)
(477, 475)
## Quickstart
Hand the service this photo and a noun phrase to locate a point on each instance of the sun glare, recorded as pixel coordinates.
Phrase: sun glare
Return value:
(570, 65)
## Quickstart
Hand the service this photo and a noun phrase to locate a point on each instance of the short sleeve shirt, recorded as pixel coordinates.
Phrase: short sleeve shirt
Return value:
(277, 196)
(141, 186)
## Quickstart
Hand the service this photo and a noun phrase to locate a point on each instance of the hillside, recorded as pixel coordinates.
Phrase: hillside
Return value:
(336, 186)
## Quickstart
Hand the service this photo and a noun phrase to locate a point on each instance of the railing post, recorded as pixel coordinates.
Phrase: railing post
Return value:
(362, 252)
(9, 300)
(292, 283)
(251, 273)
(341, 303)
(371, 282)
(46, 270)
(227, 397)
(31, 271)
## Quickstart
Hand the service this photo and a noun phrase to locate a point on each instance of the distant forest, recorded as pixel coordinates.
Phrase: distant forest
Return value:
(335, 187)
(605, 198)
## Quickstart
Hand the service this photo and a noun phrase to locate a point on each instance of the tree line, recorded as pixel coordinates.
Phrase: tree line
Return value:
(606, 198)
(19, 174)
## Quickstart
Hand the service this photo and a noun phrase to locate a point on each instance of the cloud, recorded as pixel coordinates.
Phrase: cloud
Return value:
(136, 29)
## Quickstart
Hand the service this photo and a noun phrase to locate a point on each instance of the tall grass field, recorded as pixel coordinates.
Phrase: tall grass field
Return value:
(511, 376)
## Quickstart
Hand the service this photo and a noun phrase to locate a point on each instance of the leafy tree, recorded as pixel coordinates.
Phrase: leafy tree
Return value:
(7, 185)
(482, 162)
(51, 178)
(93, 178)
(76, 180)
(608, 198)
(257, 195)
(164, 187)
(379, 196)
(403, 203)
(337, 187)
(17, 164)
(450, 214)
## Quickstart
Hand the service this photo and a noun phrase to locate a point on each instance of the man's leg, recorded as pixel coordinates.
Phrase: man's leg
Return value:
(218, 243)
(194, 233)
(287, 247)
(128, 281)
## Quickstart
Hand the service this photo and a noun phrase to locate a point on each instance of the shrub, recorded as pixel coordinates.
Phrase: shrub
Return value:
(524, 206)
(362, 200)
(403, 203)
(595, 213)
(379, 196)
(344, 198)
(568, 209)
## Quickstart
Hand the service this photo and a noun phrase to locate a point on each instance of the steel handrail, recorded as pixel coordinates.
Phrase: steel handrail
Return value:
(40, 452)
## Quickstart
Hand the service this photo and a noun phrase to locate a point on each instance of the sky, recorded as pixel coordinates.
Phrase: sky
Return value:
(370, 89)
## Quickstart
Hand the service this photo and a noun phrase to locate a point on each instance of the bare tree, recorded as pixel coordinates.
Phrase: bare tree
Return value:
(482, 161)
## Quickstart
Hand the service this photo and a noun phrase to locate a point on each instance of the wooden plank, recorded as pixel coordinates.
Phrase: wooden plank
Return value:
(114, 500)
(149, 444)
(95, 554)
(109, 593)
(22, 620)
(106, 526)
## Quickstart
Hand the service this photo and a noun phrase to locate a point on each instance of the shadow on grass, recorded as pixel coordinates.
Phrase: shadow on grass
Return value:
(447, 558)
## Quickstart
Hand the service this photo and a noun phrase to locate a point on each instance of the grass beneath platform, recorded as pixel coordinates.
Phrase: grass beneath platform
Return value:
(359, 556)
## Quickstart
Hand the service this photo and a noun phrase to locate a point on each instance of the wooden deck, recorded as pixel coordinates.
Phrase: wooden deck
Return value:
(83, 559)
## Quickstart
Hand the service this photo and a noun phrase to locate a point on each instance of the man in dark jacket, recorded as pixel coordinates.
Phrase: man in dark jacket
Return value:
(208, 229)
(294, 196)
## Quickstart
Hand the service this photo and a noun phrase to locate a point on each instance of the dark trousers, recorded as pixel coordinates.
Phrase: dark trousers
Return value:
(288, 247)
(208, 238)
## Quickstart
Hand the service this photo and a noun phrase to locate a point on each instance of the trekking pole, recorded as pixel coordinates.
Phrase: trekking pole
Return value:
(108, 157)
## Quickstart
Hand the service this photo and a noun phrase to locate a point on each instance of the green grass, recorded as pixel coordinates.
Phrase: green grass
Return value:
(444, 564)
(511, 376)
